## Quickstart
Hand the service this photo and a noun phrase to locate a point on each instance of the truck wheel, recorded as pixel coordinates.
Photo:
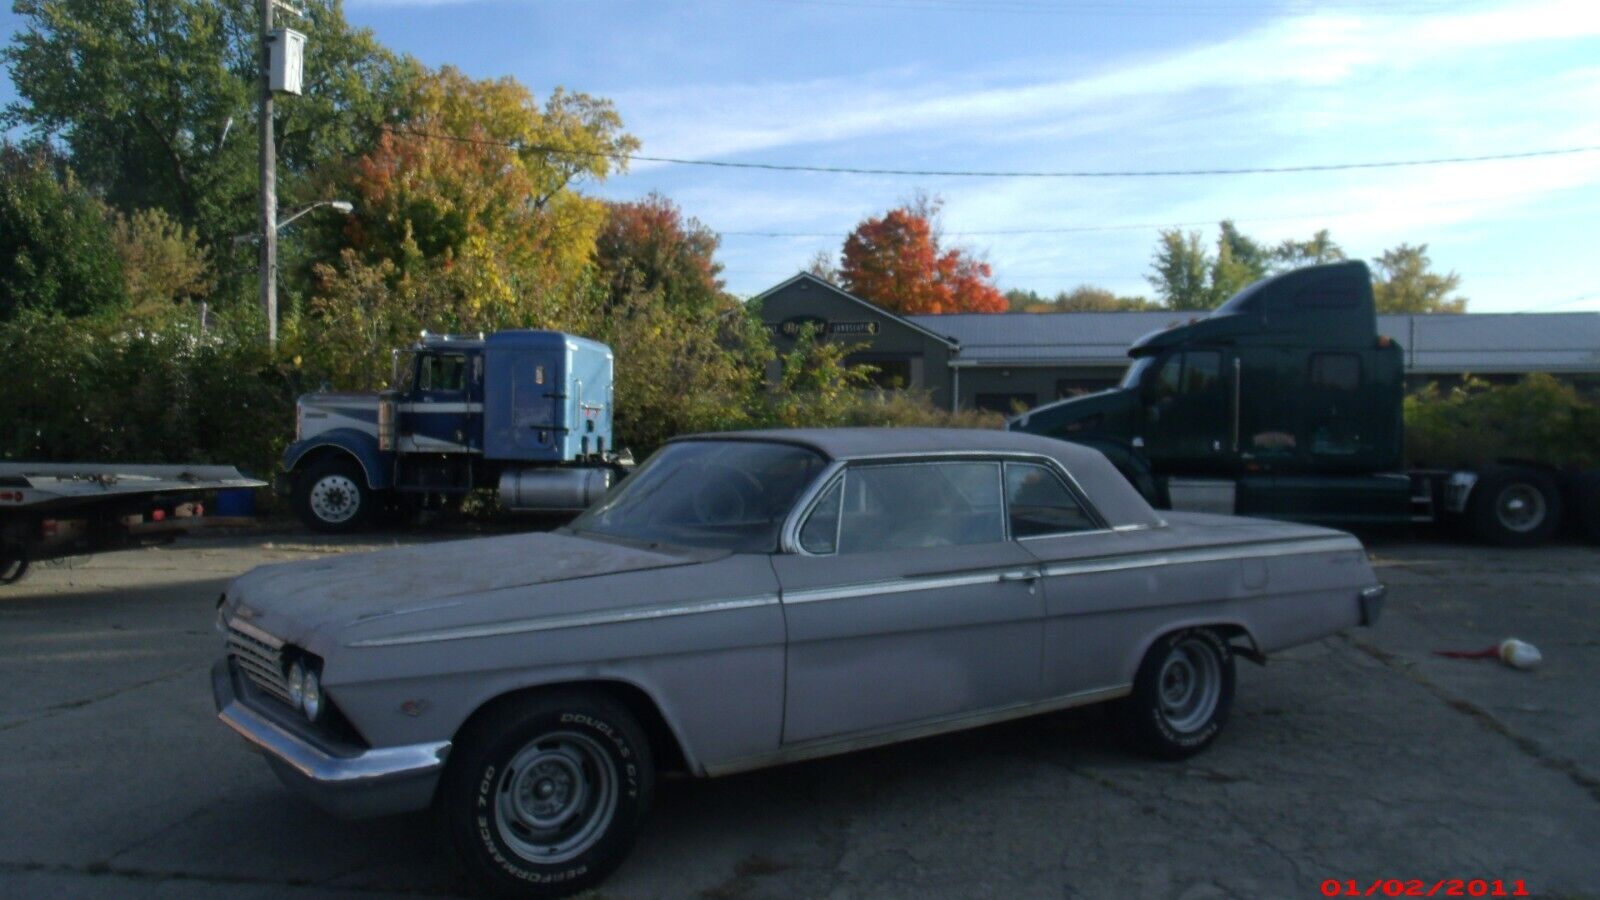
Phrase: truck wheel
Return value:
(1589, 504)
(1181, 695)
(1515, 507)
(543, 797)
(331, 496)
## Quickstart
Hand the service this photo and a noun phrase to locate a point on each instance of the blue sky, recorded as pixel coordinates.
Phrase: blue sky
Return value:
(1083, 85)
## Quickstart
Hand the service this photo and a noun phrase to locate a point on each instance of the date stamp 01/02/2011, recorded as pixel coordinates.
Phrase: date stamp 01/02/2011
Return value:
(1418, 887)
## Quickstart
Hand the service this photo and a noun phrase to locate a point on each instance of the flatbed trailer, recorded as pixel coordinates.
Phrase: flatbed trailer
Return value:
(51, 510)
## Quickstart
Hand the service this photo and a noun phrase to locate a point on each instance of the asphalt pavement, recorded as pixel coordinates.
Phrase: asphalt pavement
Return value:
(1361, 758)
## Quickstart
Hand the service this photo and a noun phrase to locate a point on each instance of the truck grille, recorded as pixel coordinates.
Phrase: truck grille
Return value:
(260, 655)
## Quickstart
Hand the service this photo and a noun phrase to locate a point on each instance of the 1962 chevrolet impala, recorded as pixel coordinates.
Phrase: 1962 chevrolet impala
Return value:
(750, 599)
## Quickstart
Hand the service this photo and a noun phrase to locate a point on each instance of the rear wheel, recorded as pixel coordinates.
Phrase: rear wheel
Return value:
(331, 496)
(1515, 507)
(1182, 694)
(544, 796)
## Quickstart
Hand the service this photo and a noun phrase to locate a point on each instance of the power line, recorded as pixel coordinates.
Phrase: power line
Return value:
(957, 173)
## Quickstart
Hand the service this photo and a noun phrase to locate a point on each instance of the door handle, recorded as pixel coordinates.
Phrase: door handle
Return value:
(1029, 576)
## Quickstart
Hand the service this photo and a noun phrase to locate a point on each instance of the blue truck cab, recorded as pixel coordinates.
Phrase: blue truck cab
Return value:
(526, 412)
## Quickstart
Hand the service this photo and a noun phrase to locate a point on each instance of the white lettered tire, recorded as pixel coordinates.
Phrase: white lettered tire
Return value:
(544, 795)
(1182, 694)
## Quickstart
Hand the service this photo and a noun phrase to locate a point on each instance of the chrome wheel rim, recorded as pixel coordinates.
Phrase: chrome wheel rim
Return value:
(1189, 685)
(556, 797)
(1520, 507)
(335, 498)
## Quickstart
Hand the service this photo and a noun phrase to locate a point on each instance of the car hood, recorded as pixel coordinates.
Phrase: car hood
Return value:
(293, 600)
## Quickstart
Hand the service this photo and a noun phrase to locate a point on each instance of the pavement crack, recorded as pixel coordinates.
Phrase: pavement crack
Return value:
(46, 712)
(1488, 720)
(106, 870)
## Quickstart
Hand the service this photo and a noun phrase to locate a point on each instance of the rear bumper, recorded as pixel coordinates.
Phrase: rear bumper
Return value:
(350, 782)
(1371, 600)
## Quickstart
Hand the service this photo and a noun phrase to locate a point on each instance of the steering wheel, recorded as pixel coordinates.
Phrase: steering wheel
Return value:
(721, 498)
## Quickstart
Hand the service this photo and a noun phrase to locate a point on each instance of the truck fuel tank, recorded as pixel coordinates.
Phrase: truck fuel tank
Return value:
(573, 490)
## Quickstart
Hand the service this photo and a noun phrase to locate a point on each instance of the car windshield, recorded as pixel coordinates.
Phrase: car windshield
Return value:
(723, 495)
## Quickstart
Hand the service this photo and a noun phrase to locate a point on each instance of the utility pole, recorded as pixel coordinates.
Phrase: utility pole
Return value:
(269, 183)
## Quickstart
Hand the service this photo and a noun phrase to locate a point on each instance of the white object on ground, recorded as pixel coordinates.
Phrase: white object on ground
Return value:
(1519, 654)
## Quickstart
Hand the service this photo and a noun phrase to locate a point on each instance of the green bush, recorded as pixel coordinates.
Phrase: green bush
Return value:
(1537, 418)
(97, 389)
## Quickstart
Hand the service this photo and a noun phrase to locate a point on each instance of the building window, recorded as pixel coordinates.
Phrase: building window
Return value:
(1006, 404)
(890, 374)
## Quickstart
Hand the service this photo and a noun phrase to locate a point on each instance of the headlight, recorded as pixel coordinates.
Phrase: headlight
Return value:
(297, 685)
(311, 695)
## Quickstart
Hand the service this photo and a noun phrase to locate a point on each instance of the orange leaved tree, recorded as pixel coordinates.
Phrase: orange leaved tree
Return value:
(896, 262)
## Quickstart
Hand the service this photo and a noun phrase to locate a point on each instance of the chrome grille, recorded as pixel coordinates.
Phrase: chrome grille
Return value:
(260, 655)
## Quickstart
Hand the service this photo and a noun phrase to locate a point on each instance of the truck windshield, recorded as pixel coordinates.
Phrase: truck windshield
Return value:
(721, 495)
(1135, 373)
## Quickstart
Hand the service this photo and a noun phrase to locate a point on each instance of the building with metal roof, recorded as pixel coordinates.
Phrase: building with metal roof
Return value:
(1001, 361)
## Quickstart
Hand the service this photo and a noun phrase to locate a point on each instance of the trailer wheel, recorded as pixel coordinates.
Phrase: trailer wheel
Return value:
(331, 496)
(1589, 503)
(1515, 507)
(12, 569)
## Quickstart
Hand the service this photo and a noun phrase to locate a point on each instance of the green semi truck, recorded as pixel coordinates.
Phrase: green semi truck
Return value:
(1285, 402)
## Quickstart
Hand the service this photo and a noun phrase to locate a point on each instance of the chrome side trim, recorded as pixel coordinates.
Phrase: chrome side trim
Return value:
(831, 746)
(1202, 554)
(440, 407)
(571, 620)
(377, 764)
(902, 585)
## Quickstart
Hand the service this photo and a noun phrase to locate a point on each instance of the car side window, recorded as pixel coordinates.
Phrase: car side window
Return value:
(820, 534)
(1040, 503)
(905, 506)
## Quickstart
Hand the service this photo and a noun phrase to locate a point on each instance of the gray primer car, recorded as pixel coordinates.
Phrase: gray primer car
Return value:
(750, 599)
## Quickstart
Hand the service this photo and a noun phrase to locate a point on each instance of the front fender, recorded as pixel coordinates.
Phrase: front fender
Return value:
(361, 446)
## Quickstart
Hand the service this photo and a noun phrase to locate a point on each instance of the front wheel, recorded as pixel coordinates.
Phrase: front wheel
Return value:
(1181, 695)
(331, 496)
(544, 796)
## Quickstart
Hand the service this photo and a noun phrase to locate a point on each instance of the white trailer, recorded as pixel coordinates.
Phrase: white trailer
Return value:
(50, 510)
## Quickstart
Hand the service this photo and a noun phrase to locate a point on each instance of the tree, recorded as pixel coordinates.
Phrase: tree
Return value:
(156, 100)
(896, 261)
(649, 245)
(1293, 254)
(56, 248)
(1083, 298)
(162, 261)
(1404, 282)
(1182, 270)
(821, 265)
(1239, 262)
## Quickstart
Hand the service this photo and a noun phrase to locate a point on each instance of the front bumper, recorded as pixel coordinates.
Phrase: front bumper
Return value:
(348, 781)
(1371, 600)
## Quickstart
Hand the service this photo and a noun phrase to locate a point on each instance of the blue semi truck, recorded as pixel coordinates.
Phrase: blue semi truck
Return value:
(526, 412)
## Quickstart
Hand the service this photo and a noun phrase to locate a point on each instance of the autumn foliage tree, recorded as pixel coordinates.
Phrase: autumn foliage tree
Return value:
(897, 262)
(650, 245)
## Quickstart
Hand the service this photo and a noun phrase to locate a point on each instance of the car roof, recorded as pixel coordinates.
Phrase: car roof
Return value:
(1107, 488)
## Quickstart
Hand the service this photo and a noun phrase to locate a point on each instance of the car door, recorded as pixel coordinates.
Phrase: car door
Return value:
(906, 601)
(1084, 645)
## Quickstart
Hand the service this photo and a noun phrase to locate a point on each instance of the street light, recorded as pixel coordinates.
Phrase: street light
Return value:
(343, 206)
